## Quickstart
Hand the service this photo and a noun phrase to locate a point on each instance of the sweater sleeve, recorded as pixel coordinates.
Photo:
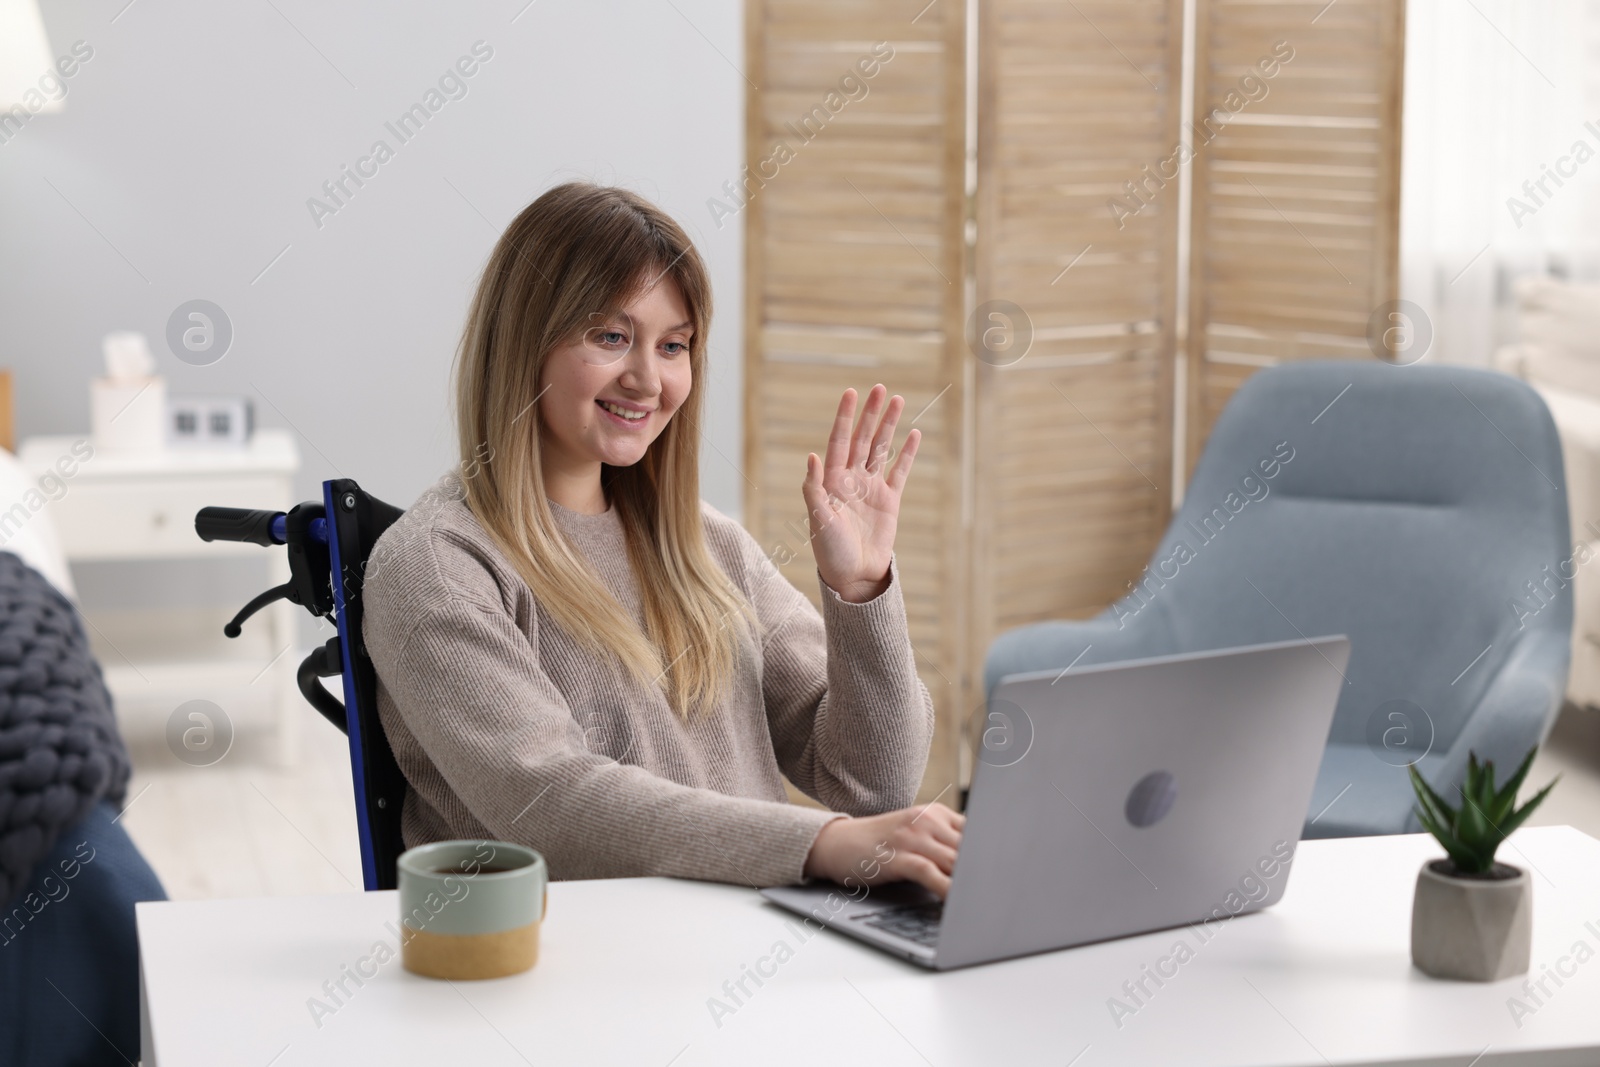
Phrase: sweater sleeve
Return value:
(468, 685)
(851, 720)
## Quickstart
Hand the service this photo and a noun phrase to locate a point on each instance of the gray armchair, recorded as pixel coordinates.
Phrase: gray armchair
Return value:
(1421, 510)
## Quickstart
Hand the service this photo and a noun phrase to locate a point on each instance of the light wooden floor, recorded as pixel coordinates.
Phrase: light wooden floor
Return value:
(1573, 751)
(245, 827)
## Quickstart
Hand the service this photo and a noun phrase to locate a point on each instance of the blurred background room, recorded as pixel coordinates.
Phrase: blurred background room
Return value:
(217, 292)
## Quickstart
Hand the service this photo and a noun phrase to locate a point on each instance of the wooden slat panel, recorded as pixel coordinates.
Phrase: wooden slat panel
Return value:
(854, 268)
(1073, 441)
(1296, 198)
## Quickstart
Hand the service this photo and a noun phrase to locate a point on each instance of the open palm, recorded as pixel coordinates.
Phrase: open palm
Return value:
(853, 495)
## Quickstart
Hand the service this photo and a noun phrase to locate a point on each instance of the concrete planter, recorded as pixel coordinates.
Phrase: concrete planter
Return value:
(1475, 929)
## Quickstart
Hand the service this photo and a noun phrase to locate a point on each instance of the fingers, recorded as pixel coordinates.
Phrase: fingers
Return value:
(946, 833)
(838, 454)
(925, 872)
(938, 837)
(811, 487)
(923, 844)
(877, 458)
(867, 443)
(861, 441)
(811, 490)
(943, 855)
(902, 465)
(942, 822)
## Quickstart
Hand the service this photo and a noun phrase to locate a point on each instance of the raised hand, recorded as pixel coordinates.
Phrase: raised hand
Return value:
(853, 495)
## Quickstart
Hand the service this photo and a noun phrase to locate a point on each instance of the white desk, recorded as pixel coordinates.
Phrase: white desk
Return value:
(627, 968)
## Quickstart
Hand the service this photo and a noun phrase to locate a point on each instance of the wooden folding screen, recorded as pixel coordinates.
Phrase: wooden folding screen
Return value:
(1040, 366)
(854, 273)
(1297, 194)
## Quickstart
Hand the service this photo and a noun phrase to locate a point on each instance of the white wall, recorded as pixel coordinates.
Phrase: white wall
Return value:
(1496, 94)
(192, 139)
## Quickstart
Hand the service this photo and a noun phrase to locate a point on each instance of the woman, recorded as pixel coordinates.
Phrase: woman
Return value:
(577, 653)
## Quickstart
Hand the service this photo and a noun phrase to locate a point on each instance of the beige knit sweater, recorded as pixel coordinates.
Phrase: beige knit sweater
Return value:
(506, 728)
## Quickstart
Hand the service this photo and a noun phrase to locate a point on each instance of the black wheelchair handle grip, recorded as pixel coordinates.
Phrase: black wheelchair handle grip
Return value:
(236, 524)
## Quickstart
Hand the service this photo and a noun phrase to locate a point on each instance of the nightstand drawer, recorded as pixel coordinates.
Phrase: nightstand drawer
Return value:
(136, 519)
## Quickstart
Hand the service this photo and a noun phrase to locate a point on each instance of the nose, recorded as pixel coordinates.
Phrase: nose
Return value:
(639, 373)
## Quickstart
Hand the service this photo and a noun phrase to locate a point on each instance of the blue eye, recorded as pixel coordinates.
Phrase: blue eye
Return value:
(613, 337)
(678, 348)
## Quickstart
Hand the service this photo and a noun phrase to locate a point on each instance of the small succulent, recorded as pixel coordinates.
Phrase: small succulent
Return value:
(1486, 817)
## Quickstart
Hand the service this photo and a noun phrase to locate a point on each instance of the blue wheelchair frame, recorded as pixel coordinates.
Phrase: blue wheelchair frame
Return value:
(325, 539)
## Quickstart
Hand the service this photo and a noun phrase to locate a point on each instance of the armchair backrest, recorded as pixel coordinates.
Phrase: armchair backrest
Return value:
(1419, 509)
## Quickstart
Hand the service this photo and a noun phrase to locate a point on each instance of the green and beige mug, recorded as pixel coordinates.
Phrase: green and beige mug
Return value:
(471, 909)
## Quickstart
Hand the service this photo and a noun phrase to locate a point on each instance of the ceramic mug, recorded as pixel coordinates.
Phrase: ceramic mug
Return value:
(471, 909)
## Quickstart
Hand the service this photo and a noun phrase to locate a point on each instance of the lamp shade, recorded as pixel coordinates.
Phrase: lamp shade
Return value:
(28, 76)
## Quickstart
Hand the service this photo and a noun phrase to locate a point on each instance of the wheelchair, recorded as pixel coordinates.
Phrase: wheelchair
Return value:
(328, 540)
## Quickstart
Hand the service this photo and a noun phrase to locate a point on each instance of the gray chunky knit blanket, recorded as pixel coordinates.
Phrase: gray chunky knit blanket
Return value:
(60, 752)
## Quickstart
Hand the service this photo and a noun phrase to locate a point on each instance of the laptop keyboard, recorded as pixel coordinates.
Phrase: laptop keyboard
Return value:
(914, 922)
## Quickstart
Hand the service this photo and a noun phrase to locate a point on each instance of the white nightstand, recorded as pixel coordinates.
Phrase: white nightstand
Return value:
(125, 506)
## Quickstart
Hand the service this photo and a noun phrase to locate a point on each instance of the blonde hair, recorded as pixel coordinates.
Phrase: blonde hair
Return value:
(578, 250)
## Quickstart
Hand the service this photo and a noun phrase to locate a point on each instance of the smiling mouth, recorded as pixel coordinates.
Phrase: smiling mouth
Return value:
(620, 412)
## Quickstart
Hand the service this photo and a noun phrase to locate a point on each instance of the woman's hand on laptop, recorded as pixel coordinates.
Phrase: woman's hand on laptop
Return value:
(917, 843)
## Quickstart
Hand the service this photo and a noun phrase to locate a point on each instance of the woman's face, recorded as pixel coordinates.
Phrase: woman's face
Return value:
(637, 360)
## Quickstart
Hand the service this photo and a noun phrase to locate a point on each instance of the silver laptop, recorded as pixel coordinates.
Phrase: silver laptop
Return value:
(1115, 800)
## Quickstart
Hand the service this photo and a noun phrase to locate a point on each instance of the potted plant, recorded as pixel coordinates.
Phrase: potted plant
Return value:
(1472, 917)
